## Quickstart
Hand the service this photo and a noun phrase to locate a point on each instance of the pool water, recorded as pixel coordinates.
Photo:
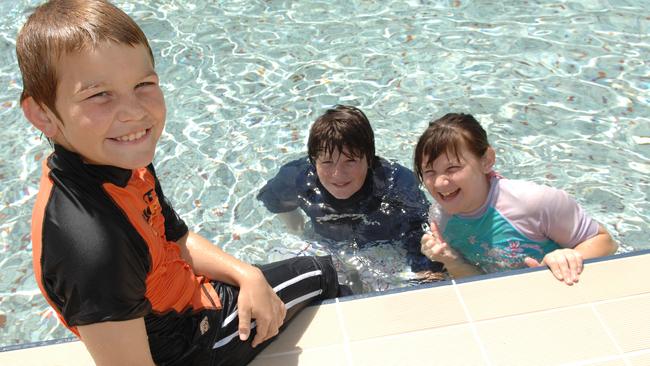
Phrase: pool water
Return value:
(562, 88)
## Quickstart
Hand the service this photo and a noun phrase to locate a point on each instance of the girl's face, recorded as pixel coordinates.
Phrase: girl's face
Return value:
(459, 184)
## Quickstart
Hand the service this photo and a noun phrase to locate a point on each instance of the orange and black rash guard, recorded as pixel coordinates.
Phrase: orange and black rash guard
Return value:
(104, 250)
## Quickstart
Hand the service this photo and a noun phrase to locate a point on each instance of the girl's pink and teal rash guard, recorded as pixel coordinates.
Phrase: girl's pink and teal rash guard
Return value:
(519, 219)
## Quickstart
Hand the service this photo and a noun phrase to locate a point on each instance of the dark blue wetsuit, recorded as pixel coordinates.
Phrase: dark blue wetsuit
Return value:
(389, 206)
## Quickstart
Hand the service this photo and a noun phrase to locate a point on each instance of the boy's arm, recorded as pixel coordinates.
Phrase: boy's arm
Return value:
(280, 193)
(410, 198)
(293, 220)
(117, 343)
(423, 267)
(256, 300)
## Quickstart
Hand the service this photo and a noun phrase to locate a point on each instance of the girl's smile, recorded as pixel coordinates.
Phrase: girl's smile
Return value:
(459, 183)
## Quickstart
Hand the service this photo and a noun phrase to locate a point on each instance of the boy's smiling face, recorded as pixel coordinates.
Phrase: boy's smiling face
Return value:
(111, 106)
(341, 173)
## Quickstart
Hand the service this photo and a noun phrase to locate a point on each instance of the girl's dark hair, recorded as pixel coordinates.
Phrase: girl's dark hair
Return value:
(447, 135)
(342, 127)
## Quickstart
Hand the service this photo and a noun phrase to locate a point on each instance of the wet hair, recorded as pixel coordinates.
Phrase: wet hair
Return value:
(342, 127)
(448, 135)
(61, 27)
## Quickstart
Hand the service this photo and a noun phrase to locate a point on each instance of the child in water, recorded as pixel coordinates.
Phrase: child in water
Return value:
(489, 223)
(348, 192)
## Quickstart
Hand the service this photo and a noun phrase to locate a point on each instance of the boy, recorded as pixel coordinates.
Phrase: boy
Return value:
(349, 193)
(111, 256)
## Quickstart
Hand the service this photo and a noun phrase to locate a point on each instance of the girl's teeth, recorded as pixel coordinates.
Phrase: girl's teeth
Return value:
(131, 137)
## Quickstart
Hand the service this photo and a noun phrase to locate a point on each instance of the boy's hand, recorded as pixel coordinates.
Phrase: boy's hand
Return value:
(565, 264)
(429, 276)
(258, 301)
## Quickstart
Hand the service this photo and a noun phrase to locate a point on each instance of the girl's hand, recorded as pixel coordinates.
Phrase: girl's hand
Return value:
(565, 264)
(434, 247)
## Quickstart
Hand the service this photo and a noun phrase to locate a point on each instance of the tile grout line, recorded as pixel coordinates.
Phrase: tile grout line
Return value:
(609, 334)
(620, 298)
(639, 353)
(599, 360)
(561, 308)
(471, 323)
(346, 337)
(594, 361)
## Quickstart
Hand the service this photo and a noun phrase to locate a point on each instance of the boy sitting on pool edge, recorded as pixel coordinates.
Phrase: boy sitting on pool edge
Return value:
(111, 256)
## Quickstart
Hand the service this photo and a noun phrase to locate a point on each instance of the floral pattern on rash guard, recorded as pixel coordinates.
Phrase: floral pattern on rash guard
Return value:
(492, 243)
(519, 219)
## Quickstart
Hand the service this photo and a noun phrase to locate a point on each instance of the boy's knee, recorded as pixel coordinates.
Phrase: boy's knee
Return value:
(330, 282)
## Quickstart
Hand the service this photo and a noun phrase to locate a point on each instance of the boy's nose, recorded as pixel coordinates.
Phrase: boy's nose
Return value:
(131, 110)
(338, 169)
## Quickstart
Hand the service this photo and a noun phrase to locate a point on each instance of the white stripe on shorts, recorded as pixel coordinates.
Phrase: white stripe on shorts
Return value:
(277, 288)
(222, 342)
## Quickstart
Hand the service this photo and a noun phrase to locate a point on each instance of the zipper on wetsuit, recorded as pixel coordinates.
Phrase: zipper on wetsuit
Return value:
(207, 293)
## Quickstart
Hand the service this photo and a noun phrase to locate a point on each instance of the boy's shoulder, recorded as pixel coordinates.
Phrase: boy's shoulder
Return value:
(73, 207)
(295, 167)
(392, 170)
(293, 178)
(79, 233)
(394, 182)
(85, 251)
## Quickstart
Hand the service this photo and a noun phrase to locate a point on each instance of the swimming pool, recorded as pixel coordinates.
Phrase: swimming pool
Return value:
(562, 87)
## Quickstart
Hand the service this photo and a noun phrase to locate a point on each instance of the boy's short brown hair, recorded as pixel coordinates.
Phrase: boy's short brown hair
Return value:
(342, 127)
(61, 27)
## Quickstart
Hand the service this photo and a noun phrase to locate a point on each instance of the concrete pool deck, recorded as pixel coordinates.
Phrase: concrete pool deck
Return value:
(522, 317)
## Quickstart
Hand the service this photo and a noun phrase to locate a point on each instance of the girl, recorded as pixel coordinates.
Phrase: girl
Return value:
(490, 223)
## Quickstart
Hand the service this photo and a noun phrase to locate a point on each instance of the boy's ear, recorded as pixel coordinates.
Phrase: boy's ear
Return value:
(38, 116)
(488, 160)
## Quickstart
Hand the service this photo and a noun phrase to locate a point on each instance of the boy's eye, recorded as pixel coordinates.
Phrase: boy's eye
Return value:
(98, 95)
(145, 83)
